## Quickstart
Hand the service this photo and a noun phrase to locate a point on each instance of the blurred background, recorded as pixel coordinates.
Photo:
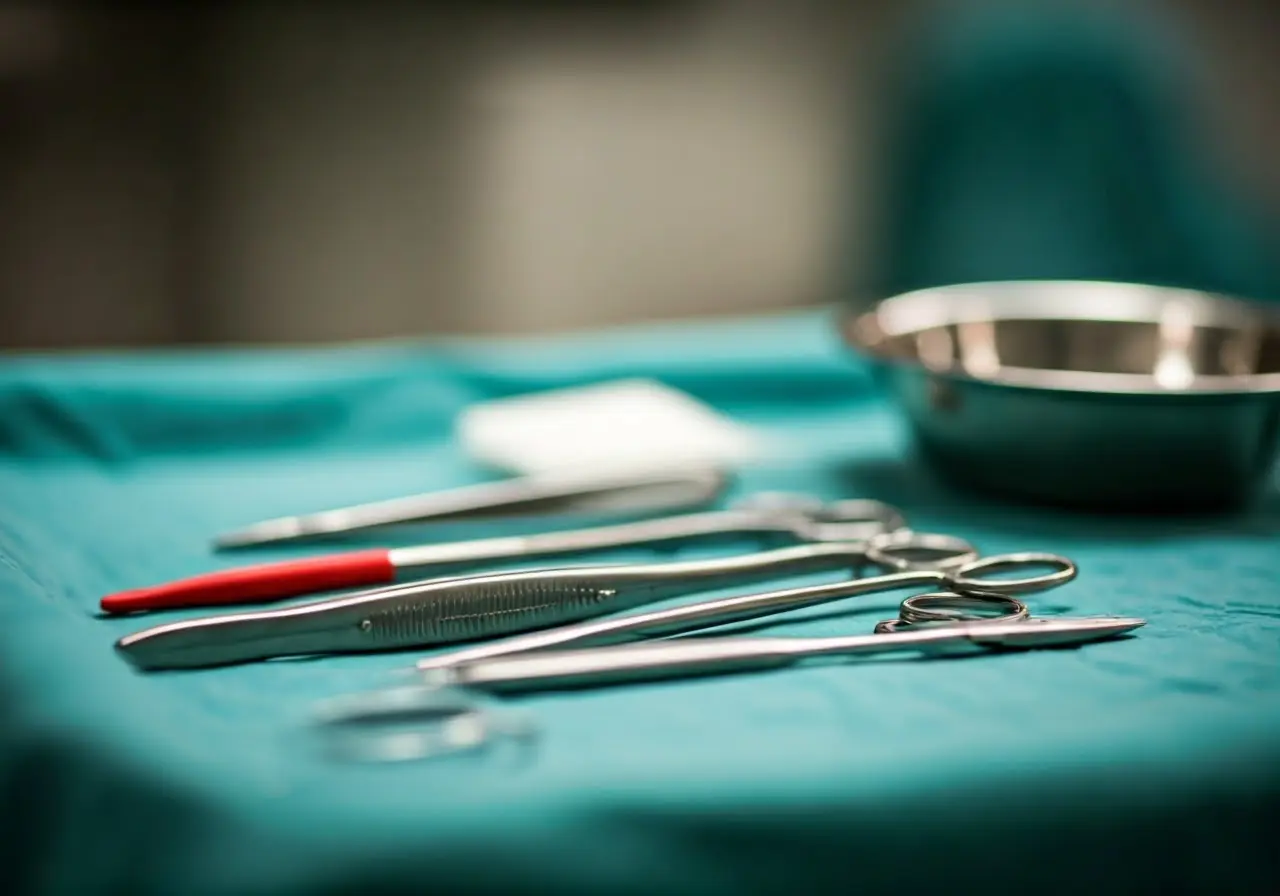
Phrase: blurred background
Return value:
(316, 172)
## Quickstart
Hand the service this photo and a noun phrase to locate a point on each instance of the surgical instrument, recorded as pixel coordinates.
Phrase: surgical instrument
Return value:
(710, 656)
(452, 712)
(643, 492)
(967, 579)
(442, 611)
(772, 519)
(951, 606)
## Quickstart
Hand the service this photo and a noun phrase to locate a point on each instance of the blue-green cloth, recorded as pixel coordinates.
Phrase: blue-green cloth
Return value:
(1146, 765)
(1056, 140)
(1026, 147)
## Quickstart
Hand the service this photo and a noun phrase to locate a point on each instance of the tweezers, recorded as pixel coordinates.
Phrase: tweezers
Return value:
(545, 494)
(444, 611)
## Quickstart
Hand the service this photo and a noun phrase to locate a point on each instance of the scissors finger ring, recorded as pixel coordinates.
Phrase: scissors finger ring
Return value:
(949, 606)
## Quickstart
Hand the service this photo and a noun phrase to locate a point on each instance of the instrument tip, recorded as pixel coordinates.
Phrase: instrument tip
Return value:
(262, 533)
(1050, 632)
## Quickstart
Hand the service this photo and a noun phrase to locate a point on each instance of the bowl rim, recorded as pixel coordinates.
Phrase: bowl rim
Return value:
(864, 329)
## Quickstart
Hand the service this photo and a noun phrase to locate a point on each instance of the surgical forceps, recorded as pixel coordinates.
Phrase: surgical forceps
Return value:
(442, 611)
(632, 492)
(771, 519)
(966, 589)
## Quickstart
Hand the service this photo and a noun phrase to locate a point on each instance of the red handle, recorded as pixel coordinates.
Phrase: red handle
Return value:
(264, 581)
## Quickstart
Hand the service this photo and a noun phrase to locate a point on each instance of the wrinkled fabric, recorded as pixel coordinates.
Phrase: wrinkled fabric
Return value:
(1150, 764)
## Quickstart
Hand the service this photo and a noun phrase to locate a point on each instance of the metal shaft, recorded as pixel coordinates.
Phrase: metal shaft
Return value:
(523, 496)
(446, 611)
(689, 658)
(672, 532)
(678, 620)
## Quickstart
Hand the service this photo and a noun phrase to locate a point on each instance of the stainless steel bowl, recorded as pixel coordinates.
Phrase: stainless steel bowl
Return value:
(1084, 393)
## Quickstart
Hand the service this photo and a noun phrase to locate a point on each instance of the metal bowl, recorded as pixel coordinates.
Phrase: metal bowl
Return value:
(1084, 393)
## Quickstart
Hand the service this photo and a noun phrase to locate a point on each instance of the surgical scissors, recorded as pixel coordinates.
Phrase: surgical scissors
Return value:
(442, 611)
(769, 519)
(685, 658)
(454, 703)
(446, 711)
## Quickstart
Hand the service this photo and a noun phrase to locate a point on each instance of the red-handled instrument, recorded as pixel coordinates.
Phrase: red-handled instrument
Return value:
(261, 582)
(799, 521)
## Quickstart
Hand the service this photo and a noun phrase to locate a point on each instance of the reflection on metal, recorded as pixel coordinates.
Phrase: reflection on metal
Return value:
(1057, 332)
(1239, 356)
(1176, 328)
(935, 349)
(1103, 395)
(978, 353)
